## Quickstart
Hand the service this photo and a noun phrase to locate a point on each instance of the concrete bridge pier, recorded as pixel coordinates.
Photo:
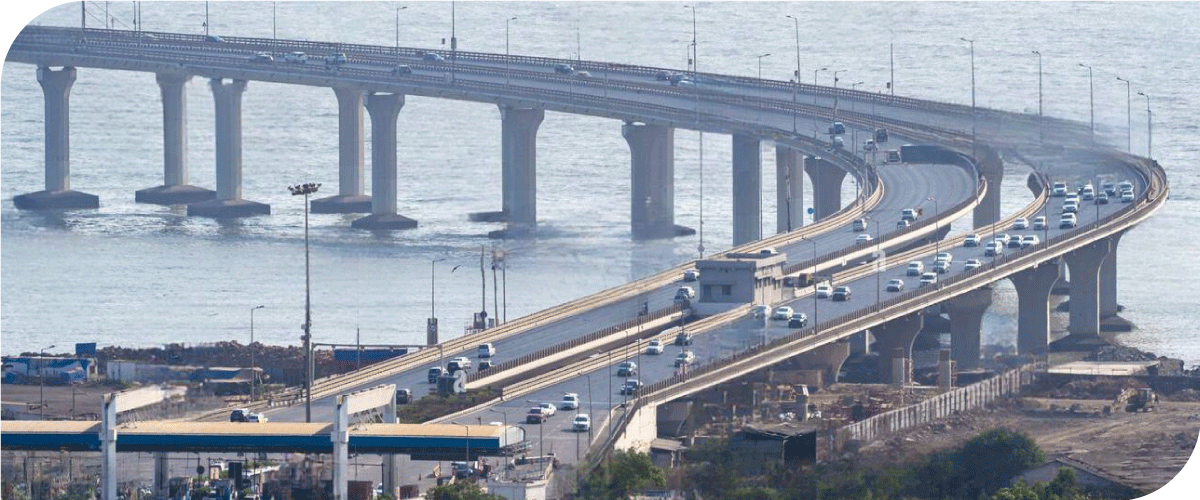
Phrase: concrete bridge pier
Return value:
(175, 189)
(518, 169)
(747, 189)
(1085, 263)
(384, 109)
(826, 186)
(1109, 321)
(652, 183)
(789, 189)
(828, 358)
(991, 167)
(56, 90)
(229, 202)
(896, 334)
(966, 318)
(1033, 306)
(162, 474)
(350, 198)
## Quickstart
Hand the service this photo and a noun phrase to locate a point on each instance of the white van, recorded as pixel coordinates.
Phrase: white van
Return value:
(487, 350)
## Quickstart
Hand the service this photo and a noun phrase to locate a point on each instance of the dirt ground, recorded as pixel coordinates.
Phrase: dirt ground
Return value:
(1147, 450)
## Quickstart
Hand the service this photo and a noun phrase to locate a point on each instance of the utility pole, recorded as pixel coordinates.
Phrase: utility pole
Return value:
(1128, 118)
(1091, 100)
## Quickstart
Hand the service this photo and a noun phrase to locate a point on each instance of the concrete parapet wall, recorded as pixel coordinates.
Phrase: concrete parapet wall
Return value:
(640, 431)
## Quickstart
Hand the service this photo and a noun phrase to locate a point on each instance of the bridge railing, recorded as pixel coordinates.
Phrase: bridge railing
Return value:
(575, 342)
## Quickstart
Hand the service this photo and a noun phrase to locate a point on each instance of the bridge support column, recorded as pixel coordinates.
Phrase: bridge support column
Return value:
(162, 474)
(1033, 306)
(1085, 263)
(828, 358)
(747, 189)
(896, 334)
(991, 166)
(1109, 321)
(108, 447)
(652, 183)
(391, 472)
(340, 435)
(56, 90)
(229, 202)
(789, 189)
(826, 186)
(175, 189)
(966, 317)
(350, 198)
(384, 109)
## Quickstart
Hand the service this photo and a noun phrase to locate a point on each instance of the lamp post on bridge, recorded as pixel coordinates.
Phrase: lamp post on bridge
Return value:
(974, 117)
(760, 96)
(305, 190)
(398, 9)
(813, 278)
(796, 84)
(835, 95)
(1091, 100)
(507, 61)
(467, 433)
(1128, 118)
(253, 365)
(1041, 125)
(1149, 128)
(815, 71)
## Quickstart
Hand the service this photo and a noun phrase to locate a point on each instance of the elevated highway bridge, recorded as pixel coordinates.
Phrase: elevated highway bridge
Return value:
(957, 173)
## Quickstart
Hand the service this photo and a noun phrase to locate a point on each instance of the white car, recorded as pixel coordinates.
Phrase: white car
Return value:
(944, 256)
(1020, 223)
(1030, 240)
(1126, 196)
(1039, 222)
(862, 238)
(463, 362)
(782, 313)
(256, 418)
(895, 285)
(296, 57)
(824, 290)
(860, 225)
(993, 248)
(685, 358)
(767, 252)
(654, 347)
(971, 264)
(1070, 208)
(928, 279)
(1059, 190)
(941, 267)
(582, 423)
(685, 293)
(972, 240)
(691, 275)
(1068, 221)
(548, 409)
(570, 401)
(915, 268)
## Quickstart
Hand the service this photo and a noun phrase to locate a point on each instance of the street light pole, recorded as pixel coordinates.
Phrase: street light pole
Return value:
(835, 95)
(1091, 100)
(253, 365)
(398, 9)
(1128, 117)
(760, 96)
(815, 71)
(936, 228)
(1149, 128)
(1041, 125)
(796, 86)
(305, 190)
(974, 117)
(507, 61)
(42, 381)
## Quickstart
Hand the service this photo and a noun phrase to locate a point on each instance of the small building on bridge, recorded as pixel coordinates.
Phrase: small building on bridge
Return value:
(741, 278)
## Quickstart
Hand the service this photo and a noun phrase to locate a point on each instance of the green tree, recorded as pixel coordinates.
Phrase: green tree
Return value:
(633, 472)
(987, 462)
(459, 490)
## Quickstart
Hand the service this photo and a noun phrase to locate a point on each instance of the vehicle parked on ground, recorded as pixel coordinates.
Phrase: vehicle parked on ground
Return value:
(462, 469)
(928, 279)
(915, 268)
(799, 320)
(582, 423)
(841, 294)
(627, 369)
(895, 285)
(685, 358)
(782, 313)
(654, 347)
